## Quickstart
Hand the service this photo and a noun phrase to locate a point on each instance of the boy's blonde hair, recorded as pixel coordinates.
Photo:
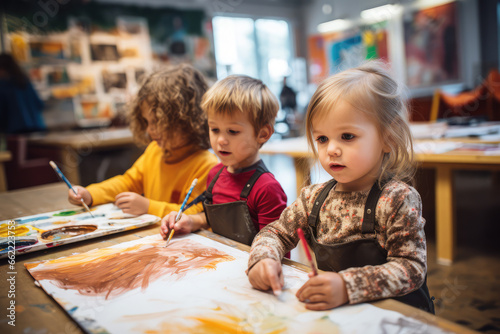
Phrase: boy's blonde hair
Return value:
(240, 93)
(370, 89)
(174, 95)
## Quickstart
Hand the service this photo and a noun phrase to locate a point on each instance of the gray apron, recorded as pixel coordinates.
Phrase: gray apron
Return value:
(233, 219)
(361, 252)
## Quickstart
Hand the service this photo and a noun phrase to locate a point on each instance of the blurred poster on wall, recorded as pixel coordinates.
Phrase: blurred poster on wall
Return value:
(431, 46)
(318, 65)
(374, 38)
(346, 53)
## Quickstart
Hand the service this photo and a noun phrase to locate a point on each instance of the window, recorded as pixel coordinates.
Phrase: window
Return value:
(259, 48)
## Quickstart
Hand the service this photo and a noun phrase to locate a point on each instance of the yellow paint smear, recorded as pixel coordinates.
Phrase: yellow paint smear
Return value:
(18, 231)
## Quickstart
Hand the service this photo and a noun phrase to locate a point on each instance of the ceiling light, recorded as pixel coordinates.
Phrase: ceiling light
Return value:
(381, 13)
(334, 25)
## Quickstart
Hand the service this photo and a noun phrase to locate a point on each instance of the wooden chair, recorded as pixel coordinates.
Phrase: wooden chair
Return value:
(484, 100)
(493, 86)
(25, 170)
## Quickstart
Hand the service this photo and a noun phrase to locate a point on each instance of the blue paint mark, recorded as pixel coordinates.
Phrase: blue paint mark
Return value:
(30, 219)
(90, 217)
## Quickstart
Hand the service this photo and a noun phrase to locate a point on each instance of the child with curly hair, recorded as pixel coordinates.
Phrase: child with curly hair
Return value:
(365, 225)
(165, 114)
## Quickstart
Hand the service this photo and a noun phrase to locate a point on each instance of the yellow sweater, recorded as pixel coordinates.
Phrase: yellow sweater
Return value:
(165, 185)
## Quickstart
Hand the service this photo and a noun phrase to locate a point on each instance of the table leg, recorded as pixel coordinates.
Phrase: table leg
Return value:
(445, 218)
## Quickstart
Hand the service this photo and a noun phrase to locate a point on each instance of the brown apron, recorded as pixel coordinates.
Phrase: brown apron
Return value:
(233, 219)
(361, 252)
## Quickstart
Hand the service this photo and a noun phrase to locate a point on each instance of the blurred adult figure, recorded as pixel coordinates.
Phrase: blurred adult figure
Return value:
(20, 106)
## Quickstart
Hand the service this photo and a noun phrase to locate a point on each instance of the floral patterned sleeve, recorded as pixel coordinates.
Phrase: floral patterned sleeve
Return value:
(279, 237)
(399, 214)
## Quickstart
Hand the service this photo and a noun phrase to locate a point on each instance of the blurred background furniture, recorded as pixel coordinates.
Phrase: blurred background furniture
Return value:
(24, 169)
(4, 156)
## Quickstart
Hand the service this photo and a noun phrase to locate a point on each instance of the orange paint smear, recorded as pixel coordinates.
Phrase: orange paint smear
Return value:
(114, 271)
(219, 323)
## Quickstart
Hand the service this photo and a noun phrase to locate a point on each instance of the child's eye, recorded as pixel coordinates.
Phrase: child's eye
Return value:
(233, 132)
(214, 130)
(322, 139)
(347, 136)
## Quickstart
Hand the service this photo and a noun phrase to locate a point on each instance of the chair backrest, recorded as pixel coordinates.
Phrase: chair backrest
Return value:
(23, 171)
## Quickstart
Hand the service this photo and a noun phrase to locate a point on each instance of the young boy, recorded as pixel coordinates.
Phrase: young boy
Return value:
(167, 115)
(242, 196)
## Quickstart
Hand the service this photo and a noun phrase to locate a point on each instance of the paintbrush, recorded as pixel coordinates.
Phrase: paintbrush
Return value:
(306, 250)
(181, 209)
(61, 175)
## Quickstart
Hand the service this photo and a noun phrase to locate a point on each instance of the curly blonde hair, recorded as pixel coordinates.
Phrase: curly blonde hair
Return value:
(371, 89)
(241, 93)
(174, 95)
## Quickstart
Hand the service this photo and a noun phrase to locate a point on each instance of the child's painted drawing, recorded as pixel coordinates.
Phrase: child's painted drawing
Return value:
(194, 285)
(46, 230)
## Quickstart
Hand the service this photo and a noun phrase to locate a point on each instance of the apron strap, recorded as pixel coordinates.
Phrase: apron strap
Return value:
(318, 202)
(368, 225)
(261, 169)
(208, 192)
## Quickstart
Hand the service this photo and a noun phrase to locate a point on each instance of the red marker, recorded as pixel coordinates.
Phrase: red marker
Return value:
(306, 249)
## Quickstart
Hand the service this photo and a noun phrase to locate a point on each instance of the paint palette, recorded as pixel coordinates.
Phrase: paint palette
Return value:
(46, 230)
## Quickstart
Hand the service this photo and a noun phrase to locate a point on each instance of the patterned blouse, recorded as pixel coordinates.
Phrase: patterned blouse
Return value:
(399, 228)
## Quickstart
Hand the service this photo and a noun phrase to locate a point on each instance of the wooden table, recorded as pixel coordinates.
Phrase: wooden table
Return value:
(444, 164)
(4, 156)
(36, 312)
(72, 145)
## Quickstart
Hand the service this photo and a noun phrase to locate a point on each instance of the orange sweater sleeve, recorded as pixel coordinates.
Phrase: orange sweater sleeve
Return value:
(165, 185)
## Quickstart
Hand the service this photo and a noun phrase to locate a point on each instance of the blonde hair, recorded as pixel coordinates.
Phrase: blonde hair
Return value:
(240, 93)
(174, 95)
(370, 89)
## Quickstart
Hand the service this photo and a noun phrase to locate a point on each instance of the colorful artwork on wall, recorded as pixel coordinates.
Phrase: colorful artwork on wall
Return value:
(195, 285)
(318, 65)
(47, 230)
(334, 52)
(431, 49)
(345, 53)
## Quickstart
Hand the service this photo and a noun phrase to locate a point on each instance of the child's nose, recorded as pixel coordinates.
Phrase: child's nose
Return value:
(222, 140)
(333, 149)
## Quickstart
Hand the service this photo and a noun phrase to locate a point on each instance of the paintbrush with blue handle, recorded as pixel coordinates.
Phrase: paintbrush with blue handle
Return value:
(61, 175)
(182, 209)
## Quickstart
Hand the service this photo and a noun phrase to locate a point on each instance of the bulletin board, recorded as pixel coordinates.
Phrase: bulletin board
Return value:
(97, 54)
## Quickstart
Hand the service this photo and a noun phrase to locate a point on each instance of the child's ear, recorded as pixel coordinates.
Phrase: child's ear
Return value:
(264, 134)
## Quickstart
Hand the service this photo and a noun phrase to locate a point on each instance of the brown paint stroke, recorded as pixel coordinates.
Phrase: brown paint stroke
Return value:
(114, 273)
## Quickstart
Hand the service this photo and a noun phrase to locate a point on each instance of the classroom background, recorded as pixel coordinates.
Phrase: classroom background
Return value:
(85, 60)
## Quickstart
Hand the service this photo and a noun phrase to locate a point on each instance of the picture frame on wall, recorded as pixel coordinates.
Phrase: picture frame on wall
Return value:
(92, 111)
(431, 46)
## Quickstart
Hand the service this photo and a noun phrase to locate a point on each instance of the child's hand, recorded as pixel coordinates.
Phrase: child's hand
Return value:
(323, 292)
(267, 274)
(82, 193)
(132, 203)
(183, 226)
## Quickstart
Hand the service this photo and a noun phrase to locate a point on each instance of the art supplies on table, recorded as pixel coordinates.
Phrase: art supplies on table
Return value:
(307, 251)
(195, 285)
(47, 230)
(193, 184)
(65, 180)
